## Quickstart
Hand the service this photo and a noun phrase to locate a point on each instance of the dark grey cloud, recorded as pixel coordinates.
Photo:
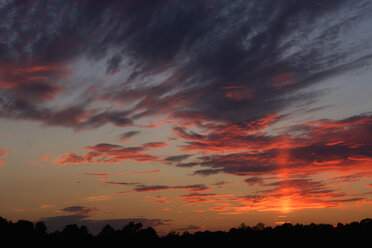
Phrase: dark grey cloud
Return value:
(79, 210)
(237, 61)
(124, 183)
(55, 223)
(220, 184)
(125, 136)
(187, 165)
(253, 181)
(113, 64)
(151, 188)
(207, 172)
(177, 158)
(242, 163)
(323, 145)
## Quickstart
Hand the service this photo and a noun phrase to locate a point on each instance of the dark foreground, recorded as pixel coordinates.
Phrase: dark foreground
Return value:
(354, 234)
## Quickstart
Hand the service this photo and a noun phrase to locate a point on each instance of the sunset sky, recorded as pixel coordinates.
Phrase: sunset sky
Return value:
(185, 115)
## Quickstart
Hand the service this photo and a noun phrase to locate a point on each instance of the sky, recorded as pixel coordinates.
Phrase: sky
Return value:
(185, 115)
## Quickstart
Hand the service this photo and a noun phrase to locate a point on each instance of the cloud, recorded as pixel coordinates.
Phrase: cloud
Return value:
(207, 172)
(287, 194)
(177, 158)
(47, 206)
(199, 198)
(3, 153)
(352, 177)
(46, 157)
(147, 172)
(95, 198)
(253, 181)
(126, 136)
(317, 146)
(282, 165)
(155, 188)
(239, 94)
(156, 199)
(96, 174)
(232, 137)
(110, 153)
(253, 58)
(219, 77)
(80, 210)
(107, 153)
(131, 173)
(187, 165)
(220, 184)
(31, 82)
(55, 223)
(154, 145)
(198, 210)
(113, 64)
(103, 147)
(123, 183)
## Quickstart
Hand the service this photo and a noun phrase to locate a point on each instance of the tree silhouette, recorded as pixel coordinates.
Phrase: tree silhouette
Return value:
(135, 234)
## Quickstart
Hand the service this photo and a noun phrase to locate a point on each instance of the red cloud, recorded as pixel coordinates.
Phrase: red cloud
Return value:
(154, 144)
(283, 80)
(321, 146)
(97, 174)
(234, 137)
(156, 199)
(131, 173)
(147, 172)
(310, 148)
(189, 119)
(46, 157)
(3, 153)
(240, 94)
(106, 153)
(152, 125)
(33, 81)
(198, 198)
(288, 195)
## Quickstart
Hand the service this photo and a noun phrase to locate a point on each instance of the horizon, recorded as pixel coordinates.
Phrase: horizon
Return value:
(186, 115)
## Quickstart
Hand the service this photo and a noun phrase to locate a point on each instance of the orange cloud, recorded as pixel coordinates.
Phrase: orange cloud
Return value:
(47, 206)
(147, 172)
(198, 210)
(198, 198)
(156, 199)
(98, 198)
(3, 153)
(46, 157)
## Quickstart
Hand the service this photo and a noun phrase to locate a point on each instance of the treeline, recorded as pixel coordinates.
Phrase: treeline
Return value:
(287, 234)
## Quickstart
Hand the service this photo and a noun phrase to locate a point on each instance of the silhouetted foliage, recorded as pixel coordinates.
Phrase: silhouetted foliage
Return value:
(288, 234)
